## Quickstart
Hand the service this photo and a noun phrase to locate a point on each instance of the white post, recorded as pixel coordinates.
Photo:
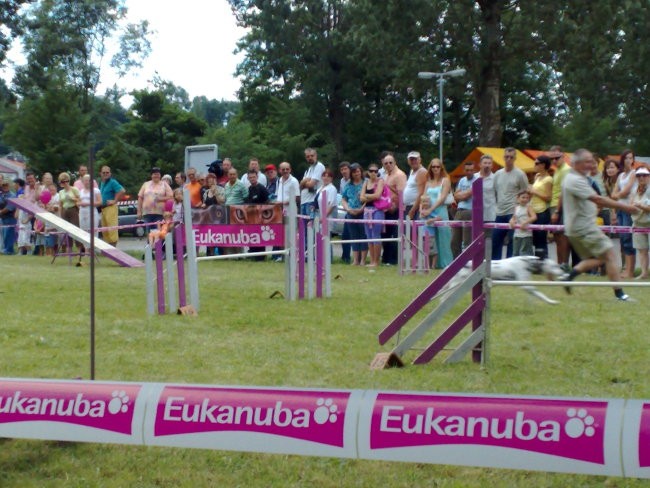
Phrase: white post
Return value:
(310, 258)
(171, 282)
(149, 277)
(291, 244)
(192, 270)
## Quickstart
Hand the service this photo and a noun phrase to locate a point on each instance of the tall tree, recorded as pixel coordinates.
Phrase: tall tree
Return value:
(10, 23)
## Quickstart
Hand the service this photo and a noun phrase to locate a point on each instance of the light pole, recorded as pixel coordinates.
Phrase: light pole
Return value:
(428, 75)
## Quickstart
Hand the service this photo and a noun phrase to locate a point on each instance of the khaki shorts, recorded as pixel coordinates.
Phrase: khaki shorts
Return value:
(641, 241)
(109, 219)
(591, 245)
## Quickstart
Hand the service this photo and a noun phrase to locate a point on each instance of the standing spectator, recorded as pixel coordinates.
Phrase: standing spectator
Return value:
(344, 170)
(610, 175)
(271, 181)
(194, 187)
(561, 170)
(580, 206)
(310, 182)
(49, 233)
(212, 195)
(31, 187)
(90, 200)
(352, 204)
(329, 190)
(489, 195)
(253, 165)
(179, 180)
(395, 178)
(168, 179)
(7, 218)
(24, 241)
(69, 199)
(236, 191)
(523, 216)
(286, 183)
(626, 187)
(152, 197)
(541, 192)
(83, 171)
(257, 195)
(112, 192)
(461, 237)
(226, 164)
(178, 205)
(641, 200)
(508, 182)
(425, 206)
(415, 183)
(257, 192)
(371, 192)
(438, 187)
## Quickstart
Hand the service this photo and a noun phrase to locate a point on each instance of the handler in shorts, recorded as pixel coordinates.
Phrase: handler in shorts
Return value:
(580, 207)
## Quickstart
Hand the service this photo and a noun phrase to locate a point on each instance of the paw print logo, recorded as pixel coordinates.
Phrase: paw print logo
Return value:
(326, 411)
(579, 423)
(119, 403)
(267, 233)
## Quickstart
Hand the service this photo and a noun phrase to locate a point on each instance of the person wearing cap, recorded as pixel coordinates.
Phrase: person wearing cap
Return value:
(152, 197)
(254, 165)
(271, 181)
(415, 184)
(7, 218)
(112, 191)
(641, 200)
(580, 204)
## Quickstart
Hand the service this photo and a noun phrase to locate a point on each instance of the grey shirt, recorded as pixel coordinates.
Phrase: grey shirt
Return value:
(579, 212)
(506, 185)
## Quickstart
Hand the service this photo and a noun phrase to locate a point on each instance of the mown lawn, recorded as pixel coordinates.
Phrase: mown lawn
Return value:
(589, 346)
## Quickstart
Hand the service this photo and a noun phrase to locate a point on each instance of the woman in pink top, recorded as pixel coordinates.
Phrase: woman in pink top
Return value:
(152, 197)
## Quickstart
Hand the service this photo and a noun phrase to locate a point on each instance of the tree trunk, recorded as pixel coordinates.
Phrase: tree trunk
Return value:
(488, 87)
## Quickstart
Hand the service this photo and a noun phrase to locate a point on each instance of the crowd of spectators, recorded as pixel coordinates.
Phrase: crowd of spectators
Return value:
(364, 196)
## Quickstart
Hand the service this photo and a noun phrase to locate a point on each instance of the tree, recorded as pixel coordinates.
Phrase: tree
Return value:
(10, 23)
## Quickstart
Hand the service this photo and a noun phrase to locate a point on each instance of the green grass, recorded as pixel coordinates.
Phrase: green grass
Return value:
(589, 346)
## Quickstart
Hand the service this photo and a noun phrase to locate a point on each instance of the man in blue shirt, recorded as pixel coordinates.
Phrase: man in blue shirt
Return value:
(111, 192)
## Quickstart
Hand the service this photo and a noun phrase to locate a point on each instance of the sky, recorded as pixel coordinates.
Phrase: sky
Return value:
(192, 47)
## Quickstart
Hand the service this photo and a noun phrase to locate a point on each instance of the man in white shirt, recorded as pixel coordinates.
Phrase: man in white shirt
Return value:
(310, 182)
(254, 164)
(286, 183)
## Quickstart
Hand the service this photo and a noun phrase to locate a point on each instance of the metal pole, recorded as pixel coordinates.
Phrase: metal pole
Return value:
(441, 81)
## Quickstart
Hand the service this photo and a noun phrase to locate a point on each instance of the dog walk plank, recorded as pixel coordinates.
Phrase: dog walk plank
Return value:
(112, 253)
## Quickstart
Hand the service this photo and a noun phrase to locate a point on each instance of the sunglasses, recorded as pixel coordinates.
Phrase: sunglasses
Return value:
(373, 170)
(64, 181)
(436, 167)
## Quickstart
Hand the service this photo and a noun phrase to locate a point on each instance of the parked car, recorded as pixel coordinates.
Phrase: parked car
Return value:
(127, 215)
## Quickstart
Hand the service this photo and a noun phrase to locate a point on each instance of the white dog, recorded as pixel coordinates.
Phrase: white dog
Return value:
(519, 268)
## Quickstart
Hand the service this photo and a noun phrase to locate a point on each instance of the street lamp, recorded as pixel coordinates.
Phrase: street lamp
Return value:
(428, 75)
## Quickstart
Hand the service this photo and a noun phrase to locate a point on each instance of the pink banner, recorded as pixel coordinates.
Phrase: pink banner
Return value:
(239, 235)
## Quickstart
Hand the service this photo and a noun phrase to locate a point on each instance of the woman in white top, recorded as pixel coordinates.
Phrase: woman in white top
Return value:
(88, 204)
(625, 188)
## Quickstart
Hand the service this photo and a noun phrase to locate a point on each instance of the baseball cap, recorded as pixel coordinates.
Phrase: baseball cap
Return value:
(413, 154)
(270, 167)
(642, 171)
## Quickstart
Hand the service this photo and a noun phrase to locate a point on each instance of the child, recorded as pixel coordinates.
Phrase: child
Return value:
(522, 244)
(164, 227)
(178, 205)
(425, 205)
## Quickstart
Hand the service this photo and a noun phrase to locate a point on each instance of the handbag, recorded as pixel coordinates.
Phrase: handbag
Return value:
(384, 202)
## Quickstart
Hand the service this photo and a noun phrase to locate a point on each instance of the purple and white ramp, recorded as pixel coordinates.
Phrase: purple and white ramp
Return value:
(112, 253)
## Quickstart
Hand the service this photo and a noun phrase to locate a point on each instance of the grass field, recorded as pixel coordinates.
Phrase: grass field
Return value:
(589, 346)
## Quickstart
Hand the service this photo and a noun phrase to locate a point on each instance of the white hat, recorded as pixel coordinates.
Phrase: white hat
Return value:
(413, 154)
(642, 171)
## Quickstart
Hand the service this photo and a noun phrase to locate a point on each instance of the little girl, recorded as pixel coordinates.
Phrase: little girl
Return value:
(164, 226)
(425, 205)
(178, 205)
(522, 244)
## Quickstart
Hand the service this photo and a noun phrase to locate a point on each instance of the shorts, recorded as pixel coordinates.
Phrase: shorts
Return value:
(641, 241)
(593, 244)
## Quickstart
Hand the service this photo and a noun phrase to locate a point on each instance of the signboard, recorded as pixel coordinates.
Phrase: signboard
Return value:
(238, 225)
(200, 157)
